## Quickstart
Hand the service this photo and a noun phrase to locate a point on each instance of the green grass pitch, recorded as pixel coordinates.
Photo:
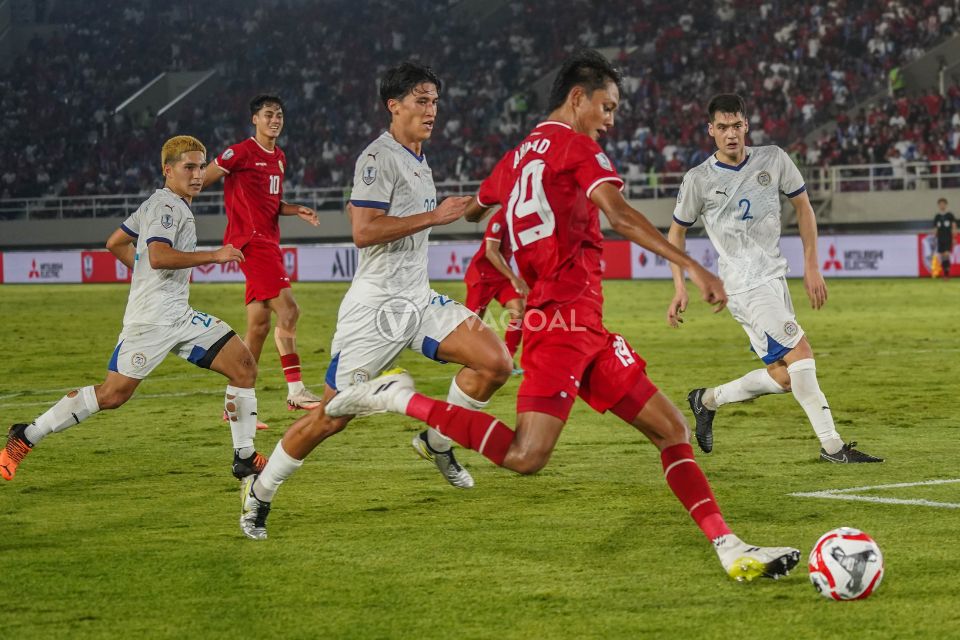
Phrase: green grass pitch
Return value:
(126, 526)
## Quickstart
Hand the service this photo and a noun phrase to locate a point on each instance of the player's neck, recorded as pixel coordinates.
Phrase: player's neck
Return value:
(173, 189)
(266, 142)
(732, 160)
(416, 146)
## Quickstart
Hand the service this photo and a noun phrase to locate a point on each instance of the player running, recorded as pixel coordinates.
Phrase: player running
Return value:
(158, 243)
(552, 185)
(490, 277)
(737, 193)
(390, 305)
(253, 196)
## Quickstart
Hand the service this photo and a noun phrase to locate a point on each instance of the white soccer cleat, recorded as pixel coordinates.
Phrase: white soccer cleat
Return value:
(253, 511)
(445, 461)
(743, 562)
(303, 399)
(389, 392)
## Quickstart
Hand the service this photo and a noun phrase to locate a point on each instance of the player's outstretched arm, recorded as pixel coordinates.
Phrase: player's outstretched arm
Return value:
(813, 280)
(373, 226)
(475, 211)
(120, 244)
(211, 173)
(305, 212)
(492, 252)
(635, 226)
(163, 256)
(677, 236)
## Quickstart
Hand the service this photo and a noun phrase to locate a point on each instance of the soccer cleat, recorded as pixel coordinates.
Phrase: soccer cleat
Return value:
(848, 455)
(260, 426)
(15, 451)
(253, 511)
(389, 392)
(245, 467)
(303, 399)
(743, 563)
(704, 418)
(446, 462)
(516, 371)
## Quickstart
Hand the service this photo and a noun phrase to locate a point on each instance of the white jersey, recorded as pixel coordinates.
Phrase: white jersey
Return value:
(159, 296)
(740, 206)
(393, 178)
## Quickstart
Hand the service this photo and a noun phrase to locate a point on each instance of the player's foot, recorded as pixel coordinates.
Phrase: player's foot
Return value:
(517, 371)
(253, 511)
(389, 392)
(704, 418)
(260, 426)
(848, 455)
(449, 468)
(743, 562)
(303, 399)
(15, 451)
(246, 467)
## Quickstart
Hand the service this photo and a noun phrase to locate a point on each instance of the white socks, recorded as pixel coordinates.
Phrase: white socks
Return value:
(295, 387)
(806, 389)
(241, 407)
(455, 396)
(70, 410)
(280, 467)
(753, 385)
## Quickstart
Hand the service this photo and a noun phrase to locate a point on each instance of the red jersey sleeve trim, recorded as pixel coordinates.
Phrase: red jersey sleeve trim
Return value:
(596, 183)
(482, 203)
(215, 161)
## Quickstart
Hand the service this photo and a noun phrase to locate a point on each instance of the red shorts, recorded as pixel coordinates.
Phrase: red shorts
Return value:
(568, 353)
(479, 294)
(264, 271)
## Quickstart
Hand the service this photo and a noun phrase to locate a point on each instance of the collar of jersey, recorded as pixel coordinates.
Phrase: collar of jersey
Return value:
(168, 192)
(724, 165)
(546, 122)
(265, 150)
(406, 148)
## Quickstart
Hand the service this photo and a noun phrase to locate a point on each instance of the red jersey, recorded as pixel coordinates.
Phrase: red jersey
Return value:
(252, 190)
(544, 185)
(481, 269)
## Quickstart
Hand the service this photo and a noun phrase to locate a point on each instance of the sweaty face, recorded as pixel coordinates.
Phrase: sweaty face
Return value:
(269, 120)
(729, 131)
(594, 113)
(185, 176)
(415, 114)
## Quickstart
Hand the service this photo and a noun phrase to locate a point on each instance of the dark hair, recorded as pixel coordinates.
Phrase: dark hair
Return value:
(586, 68)
(725, 103)
(262, 100)
(400, 80)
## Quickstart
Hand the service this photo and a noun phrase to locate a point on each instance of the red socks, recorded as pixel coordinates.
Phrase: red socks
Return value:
(688, 483)
(291, 367)
(471, 429)
(512, 337)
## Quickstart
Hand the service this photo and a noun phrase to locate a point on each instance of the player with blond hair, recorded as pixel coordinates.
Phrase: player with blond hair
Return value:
(158, 243)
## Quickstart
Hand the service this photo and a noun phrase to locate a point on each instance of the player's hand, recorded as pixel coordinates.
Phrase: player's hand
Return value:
(451, 209)
(308, 214)
(711, 287)
(520, 287)
(816, 287)
(227, 253)
(677, 306)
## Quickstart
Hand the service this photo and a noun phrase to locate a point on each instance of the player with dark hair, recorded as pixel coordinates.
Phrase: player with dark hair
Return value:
(158, 244)
(945, 229)
(552, 185)
(390, 306)
(737, 193)
(253, 196)
(490, 277)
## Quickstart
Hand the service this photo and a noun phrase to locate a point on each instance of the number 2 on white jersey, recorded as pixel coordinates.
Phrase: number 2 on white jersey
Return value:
(274, 188)
(528, 198)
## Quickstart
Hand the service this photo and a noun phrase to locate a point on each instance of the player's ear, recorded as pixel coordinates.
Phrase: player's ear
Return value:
(576, 95)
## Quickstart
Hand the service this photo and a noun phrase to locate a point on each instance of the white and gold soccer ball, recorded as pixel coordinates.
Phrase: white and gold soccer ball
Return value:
(846, 564)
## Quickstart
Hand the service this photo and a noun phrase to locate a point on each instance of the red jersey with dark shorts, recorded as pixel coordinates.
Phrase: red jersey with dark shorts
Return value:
(544, 186)
(252, 194)
(484, 282)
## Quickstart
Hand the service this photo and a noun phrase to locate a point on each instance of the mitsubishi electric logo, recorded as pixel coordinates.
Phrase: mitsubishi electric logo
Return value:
(398, 320)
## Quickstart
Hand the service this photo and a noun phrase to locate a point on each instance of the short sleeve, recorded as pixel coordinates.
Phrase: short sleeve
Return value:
(131, 226)
(491, 188)
(162, 222)
(496, 228)
(232, 159)
(373, 180)
(590, 165)
(689, 202)
(791, 182)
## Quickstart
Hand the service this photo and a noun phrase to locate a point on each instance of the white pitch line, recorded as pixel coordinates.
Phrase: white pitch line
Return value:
(846, 494)
(136, 396)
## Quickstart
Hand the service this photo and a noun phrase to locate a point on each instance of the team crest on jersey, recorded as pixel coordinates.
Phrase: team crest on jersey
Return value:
(280, 162)
(369, 174)
(227, 154)
(138, 360)
(604, 161)
(166, 221)
(495, 228)
(359, 376)
(763, 178)
(790, 328)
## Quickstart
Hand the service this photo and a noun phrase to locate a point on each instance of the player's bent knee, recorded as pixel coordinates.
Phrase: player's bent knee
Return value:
(112, 399)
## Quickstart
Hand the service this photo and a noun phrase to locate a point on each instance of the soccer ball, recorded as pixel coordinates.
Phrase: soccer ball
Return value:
(846, 564)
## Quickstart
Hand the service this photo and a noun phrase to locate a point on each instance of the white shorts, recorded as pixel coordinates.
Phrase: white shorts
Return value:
(198, 338)
(368, 340)
(766, 314)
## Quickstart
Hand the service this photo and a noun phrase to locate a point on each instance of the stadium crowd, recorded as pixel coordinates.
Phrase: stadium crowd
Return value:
(799, 64)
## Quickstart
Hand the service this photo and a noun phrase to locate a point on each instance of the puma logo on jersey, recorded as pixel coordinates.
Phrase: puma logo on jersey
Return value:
(722, 193)
(373, 155)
